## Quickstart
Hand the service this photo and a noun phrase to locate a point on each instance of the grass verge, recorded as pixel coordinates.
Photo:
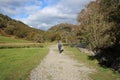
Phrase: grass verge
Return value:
(101, 73)
(21, 45)
(16, 63)
(4, 39)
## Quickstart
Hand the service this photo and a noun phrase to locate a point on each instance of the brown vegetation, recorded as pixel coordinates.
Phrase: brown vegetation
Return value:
(65, 32)
(100, 23)
(11, 27)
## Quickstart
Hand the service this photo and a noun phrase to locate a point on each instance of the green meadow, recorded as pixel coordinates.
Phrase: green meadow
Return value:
(18, 57)
(12, 40)
(9, 42)
(16, 64)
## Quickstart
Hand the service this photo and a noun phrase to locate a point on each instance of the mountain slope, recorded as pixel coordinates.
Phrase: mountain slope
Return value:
(63, 27)
(11, 27)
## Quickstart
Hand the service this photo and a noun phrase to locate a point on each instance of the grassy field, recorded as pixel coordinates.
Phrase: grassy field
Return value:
(21, 45)
(16, 63)
(12, 40)
(8, 42)
(101, 73)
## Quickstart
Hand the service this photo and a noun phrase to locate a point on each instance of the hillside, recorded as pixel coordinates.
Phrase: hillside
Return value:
(63, 27)
(11, 27)
(64, 31)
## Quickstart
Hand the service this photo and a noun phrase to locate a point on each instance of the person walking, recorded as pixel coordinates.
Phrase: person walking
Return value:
(60, 47)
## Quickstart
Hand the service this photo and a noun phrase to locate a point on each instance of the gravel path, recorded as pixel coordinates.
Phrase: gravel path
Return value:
(60, 67)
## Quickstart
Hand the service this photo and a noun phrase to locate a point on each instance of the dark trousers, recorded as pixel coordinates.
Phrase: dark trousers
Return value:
(59, 48)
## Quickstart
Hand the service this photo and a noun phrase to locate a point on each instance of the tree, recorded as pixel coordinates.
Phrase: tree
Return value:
(100, 29)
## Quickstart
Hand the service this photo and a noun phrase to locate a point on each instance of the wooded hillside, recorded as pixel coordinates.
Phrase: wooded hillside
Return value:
(65, 32)
(14, 28)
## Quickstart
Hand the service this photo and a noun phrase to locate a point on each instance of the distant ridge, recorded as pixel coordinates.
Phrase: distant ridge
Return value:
(64, 31)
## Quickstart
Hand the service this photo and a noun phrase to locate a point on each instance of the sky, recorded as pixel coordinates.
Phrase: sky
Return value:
(43, 14)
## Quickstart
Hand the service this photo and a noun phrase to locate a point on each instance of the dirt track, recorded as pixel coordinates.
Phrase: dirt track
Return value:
(60, 67)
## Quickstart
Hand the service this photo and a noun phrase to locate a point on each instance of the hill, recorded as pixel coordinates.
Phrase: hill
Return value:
(65, 32)
(63, 27)
(10, 27)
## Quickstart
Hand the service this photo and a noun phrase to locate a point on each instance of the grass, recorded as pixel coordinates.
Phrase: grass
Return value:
(8, 42)
(12, 40)
(101, 73)
(16, 63)
(21, 45)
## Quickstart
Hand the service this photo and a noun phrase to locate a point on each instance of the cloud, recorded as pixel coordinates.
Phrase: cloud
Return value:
(49, 16)
(43, 14)
(17, 8)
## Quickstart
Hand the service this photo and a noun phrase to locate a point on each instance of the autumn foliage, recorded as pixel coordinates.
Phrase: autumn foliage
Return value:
(100, 23)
